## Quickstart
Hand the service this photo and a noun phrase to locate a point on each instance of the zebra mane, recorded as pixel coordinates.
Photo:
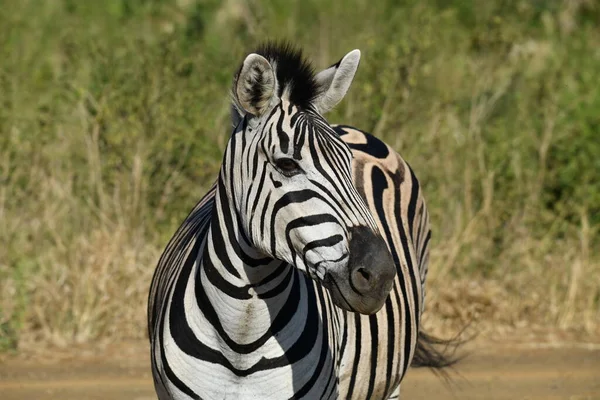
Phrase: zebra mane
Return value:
(295, 74)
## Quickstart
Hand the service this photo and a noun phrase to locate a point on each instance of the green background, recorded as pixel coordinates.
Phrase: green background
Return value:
(114, 115)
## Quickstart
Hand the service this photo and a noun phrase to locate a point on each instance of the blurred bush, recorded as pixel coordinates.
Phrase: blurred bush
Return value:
(115, 115)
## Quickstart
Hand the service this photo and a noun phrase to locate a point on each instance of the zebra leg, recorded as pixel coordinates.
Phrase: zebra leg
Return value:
(396, 394)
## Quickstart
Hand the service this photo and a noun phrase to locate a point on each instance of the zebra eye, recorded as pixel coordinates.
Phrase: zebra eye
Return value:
(288, 166)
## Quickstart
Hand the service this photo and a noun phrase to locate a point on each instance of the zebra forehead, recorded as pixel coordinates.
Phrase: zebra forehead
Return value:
(295, 74)
(308, 128)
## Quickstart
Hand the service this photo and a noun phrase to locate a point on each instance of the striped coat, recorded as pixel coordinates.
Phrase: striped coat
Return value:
(301, 273)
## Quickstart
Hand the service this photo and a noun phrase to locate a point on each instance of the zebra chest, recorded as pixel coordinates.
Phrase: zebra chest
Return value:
(258, 350)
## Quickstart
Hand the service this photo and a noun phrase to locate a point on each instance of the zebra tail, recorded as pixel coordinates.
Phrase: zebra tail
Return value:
(435, 353)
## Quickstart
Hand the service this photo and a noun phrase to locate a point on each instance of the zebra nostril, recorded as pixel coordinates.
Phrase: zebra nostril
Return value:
(361, 279)
(364, 273)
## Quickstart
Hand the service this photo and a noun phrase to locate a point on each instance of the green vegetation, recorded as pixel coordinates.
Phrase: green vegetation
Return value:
(114, 116)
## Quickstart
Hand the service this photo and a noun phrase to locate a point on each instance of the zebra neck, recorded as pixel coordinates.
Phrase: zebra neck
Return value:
(229, 252)
(240, 291)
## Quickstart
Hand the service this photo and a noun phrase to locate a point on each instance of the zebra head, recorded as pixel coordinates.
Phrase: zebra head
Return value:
(290, 177)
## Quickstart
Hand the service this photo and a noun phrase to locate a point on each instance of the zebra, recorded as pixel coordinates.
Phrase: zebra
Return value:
(301, 272)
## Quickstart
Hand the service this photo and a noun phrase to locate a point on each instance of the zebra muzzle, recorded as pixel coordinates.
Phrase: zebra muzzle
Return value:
(364, 284)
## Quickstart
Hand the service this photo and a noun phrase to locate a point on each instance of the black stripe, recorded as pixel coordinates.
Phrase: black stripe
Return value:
(325, 350)
(356, 355)
(410, 313)
(278, 323)
(391, 344)
(374, 349)
(284, 139)
(326, 242)
(298, 196)
(424, 246)
(412, 204)
(380, 184)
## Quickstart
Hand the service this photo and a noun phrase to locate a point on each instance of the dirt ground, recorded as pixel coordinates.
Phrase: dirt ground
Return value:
(490, 372)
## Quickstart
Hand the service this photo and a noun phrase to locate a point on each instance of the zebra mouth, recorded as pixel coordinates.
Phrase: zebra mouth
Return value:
(362, 278)
(348, 299)
(321, 268)
(338, 296)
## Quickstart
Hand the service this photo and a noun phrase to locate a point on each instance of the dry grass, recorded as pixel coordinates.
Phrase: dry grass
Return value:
(94, 288)
(92, 281)
(558, 296)
(109, 135)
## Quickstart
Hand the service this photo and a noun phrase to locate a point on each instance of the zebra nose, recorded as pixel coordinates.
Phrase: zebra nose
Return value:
(362, 279)
(372, 269)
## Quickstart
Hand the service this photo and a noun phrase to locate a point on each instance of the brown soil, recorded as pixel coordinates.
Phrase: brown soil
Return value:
(488, 372)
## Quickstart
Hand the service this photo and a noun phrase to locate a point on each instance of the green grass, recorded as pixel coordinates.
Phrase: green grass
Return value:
(114, 116)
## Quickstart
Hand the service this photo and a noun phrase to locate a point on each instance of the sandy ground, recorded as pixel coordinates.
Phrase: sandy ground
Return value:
(488, 372)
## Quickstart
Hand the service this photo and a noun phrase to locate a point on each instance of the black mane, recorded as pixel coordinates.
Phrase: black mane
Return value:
(293, 71)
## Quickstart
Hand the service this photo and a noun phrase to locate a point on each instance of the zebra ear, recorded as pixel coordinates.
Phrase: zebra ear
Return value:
(334, 81)
(254, 85)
